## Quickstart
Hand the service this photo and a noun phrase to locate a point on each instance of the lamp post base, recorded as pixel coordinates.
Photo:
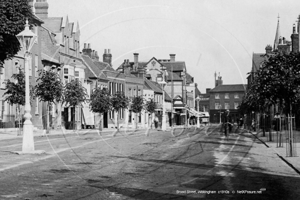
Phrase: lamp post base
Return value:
(198, 122)
(28, 141)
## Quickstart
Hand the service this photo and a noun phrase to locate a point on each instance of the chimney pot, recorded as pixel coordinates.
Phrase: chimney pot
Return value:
(84, 45)
(108, 51)
(172, 57)
(89, 46)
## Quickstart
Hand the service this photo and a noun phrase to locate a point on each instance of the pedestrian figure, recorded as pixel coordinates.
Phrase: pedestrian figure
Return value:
(156, 122)
(253, 125)
(241, 122)
(226, 122)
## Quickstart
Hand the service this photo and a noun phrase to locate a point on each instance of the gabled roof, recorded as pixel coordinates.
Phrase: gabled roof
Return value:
(189, 78)
(257, 60)
(175, 66)
(92, 70)
(230, 88)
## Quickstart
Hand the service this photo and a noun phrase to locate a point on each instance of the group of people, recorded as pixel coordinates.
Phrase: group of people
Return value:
(227, 124)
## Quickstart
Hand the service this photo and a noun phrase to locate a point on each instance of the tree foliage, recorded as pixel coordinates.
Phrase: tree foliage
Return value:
(150, 106)
(119, 101)
(276, 82)
(137, 104)
(74, 93)
(15, 91)
(100, 100)
(49, 87)
(12, 20)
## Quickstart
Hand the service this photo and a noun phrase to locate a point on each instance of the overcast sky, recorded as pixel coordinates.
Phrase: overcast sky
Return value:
(209, 35)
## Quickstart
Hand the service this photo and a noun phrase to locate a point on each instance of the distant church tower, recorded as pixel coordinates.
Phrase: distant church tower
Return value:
(277, 36)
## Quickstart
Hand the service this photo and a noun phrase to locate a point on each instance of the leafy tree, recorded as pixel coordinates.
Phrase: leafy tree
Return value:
(119, 101)
(12, 20)
(150, 107)
(137, 107)
(49, 89)
(100, 103)
(15, 92)
(74, 94)
(277, 82)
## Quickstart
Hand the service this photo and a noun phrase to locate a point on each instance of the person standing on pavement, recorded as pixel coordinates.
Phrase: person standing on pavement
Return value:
(156, 121)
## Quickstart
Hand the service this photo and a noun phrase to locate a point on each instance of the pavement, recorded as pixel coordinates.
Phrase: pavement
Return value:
(279, 147)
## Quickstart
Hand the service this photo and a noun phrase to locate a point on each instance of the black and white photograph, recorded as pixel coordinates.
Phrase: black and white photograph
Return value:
(149, 99)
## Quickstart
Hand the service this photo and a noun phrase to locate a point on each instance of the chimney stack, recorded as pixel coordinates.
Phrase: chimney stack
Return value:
(172, 57)
(107, 56)
(87, 50)
(136, 61)
(41, 8)
(268, 49)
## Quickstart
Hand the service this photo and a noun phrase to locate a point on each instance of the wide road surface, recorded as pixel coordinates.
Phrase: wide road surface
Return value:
(188, 164)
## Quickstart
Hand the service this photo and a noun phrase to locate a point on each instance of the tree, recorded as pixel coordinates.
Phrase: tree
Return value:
(74, 95)
(119, 101)
(15, 93)
(49, 89)
(100, 103)
(150, 107)
(277, 82)
(137, 107)
(12, 20)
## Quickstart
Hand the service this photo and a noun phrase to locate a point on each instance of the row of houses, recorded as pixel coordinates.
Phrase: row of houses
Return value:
(58, 48)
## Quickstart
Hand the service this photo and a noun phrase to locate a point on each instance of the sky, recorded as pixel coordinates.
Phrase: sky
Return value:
(209, 35)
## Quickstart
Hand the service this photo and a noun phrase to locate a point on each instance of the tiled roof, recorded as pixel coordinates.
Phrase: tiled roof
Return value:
(95, 70)
(146, 86)
(53, 23)
(103, 66)
(230, 88)
(50, 51)
(50, 58)
(167, 97)
(173, 77)
(189, 78)
(257, 60)
(89, 73)
(153, 85)
(175, 66)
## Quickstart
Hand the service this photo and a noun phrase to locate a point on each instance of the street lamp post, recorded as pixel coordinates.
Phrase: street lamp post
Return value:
(163, 84)
(27, 39)
(198, 120)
